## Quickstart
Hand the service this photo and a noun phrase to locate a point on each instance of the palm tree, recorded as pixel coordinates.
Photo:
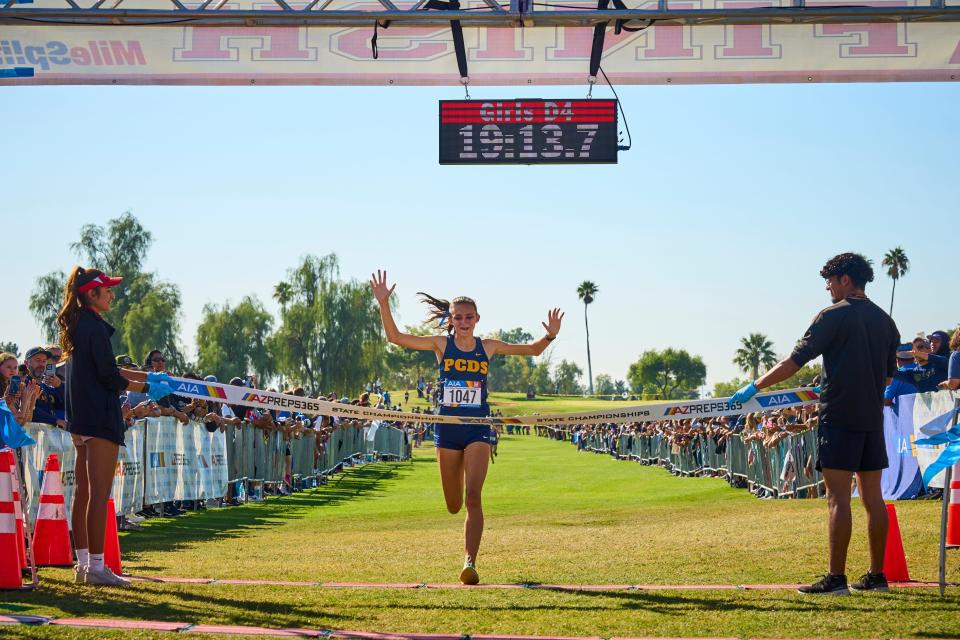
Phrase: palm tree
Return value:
(756, 350)
(282, 293)
(897, 264)
(587, 291)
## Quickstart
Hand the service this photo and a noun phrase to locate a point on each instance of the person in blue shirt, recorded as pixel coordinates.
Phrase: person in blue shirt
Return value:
(50, 407)
(463, 450)
(930, 369)
(903, 385)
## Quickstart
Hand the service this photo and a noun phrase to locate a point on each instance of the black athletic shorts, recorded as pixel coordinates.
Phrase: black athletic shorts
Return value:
(850, 450)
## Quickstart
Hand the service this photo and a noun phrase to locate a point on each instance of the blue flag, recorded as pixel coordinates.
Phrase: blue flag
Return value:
(948, 457)
(11, 433)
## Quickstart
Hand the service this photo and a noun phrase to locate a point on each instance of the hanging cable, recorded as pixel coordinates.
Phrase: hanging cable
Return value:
(622, 112)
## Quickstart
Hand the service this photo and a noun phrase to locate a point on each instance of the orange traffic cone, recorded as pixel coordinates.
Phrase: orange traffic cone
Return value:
(9, 556)
(111, 542)
(51, 537)
(17, 508)
(894, 560)
(953, 515)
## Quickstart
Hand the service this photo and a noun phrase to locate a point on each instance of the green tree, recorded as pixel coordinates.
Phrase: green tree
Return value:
(897, 265)
(587, 291)
(10, 347)
(45, 302)
(620, 387)
(672, 373)
(330, 338)
(403, 367)
(605, 386)
(755, 350)
(150, 324)
(728, 388)
(511, 373)
(567, 378)
(804, 376)
(541, 379)
(283, 293)
(234, 341)
(119, 248)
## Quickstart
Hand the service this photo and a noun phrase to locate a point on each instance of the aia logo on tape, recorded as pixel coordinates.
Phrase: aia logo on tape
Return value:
(780, 399)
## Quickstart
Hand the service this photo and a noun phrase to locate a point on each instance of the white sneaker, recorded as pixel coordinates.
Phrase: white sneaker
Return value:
(469, 574)
(135, 519)
(104, 577)
(79, 574)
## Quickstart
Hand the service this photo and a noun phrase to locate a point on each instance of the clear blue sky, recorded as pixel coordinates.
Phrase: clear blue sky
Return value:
(715, 224)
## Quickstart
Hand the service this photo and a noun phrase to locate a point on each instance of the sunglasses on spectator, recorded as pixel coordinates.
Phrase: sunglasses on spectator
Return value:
(158, 359)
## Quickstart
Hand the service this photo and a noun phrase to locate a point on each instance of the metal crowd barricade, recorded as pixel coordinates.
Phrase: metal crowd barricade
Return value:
(736, 459)
(762, 467)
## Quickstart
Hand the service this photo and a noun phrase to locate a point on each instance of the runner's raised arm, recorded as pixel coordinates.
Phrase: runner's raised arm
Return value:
(378, 282)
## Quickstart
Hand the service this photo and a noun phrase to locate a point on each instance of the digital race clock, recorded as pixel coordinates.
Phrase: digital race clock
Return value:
(528, 131)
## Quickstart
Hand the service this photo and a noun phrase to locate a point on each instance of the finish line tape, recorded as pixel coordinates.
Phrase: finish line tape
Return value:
(678, 410)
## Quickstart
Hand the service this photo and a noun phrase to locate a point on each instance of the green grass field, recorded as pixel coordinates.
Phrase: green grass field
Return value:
(553, 516)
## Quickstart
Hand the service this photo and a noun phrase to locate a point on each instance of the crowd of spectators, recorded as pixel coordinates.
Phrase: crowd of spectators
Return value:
(927, 363)
(33, 390)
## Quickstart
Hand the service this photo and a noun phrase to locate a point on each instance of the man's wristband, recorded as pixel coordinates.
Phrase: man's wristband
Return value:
(550, 338)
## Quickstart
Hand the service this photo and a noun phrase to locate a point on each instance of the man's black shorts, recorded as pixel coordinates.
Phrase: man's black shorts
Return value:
(850, 450)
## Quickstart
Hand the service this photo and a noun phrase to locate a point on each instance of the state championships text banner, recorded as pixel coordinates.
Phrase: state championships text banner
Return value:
(670, 410)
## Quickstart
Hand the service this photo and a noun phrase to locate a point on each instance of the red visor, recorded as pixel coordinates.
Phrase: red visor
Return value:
(101, 280)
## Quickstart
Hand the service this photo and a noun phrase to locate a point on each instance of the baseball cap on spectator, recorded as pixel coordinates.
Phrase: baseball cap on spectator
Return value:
(236, 381)
(92, 279)
(126, 361)
(905, 352)
(210, 378)
(344, 400)
(943, 346)
(36, 351)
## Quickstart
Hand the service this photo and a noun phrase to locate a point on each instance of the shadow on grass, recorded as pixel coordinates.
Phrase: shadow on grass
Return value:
(147, 602)
(673, 603)
(168, 534)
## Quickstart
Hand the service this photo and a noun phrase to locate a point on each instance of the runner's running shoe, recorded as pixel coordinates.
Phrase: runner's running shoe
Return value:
(871, 582)
(469, 574)
(79, 574)
(828, 585)
(104, 577)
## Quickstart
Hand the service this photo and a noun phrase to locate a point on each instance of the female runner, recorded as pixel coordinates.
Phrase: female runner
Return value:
(463, 451)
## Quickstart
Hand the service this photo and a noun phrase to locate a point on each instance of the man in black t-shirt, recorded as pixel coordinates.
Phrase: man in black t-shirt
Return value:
(858, 342)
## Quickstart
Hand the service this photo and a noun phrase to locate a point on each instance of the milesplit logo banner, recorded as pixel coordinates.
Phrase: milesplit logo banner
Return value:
(178, 53)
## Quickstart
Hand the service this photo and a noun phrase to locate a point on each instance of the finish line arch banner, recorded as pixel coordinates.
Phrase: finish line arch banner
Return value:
(424, 55)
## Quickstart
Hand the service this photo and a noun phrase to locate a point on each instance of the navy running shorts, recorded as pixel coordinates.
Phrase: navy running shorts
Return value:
(459, 436)
(850, 450)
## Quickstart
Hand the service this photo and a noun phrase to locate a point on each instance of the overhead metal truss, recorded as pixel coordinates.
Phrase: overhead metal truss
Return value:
(541, 13)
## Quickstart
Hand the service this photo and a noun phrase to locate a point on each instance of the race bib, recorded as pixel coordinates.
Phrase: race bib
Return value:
(462, 393)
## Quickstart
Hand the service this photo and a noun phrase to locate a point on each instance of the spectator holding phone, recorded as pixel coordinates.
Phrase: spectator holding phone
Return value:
(19, 394)
(930, 369)
(94, 414)
(50, 408)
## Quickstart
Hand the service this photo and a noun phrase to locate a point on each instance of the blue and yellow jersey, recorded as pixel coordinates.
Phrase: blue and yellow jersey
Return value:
(463, 378)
